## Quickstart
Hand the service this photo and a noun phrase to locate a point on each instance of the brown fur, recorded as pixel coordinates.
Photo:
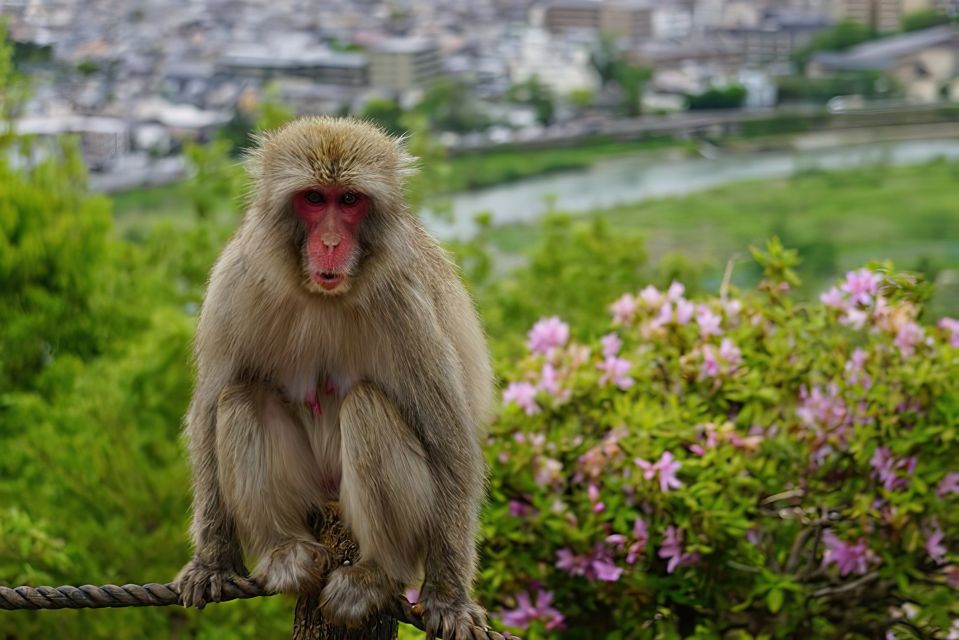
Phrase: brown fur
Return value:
(398, 442)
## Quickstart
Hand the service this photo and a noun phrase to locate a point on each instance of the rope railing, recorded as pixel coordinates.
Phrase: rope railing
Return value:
(152, 594)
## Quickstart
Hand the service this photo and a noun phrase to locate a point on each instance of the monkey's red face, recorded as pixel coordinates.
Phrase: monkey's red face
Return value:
(332, 217)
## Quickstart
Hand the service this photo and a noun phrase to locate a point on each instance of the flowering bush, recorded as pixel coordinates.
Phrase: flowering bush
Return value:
(740, 466)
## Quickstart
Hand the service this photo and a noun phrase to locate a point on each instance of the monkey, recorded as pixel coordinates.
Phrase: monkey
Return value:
(338, 357)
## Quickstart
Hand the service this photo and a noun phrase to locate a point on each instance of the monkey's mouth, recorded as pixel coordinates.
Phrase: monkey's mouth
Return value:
(329, 280)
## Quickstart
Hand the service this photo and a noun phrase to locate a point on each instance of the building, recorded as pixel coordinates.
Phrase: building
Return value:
(924, 63)
(885, 16)
(775, 38)
(317, 64)
(631, 19)
(401, 64)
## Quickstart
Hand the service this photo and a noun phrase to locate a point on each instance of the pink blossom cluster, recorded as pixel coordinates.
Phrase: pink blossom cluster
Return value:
(823, 408)
(934, 546)
(665, 468)
(597, 460)
(597, 565)
(949, 484)
(951, 326)
(723, 361)
(855, 369)
(850, 557)
(530, 608)
(523, 395)
(547, 334)
(889, 470)
(858, 289)
(672, 550)
(635, 546)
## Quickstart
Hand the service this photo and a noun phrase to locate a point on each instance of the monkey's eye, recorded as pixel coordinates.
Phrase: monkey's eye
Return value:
(349, 198)
(314, 197)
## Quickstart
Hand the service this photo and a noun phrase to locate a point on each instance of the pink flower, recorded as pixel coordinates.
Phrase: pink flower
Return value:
(833, 298)
(935, 548)
(549, 382)
(665, 314)
(640, 538)
(614, 370)
(672, 550)
(624, 309)
(684, 311)
(729, 352)
(598, 565)
(611, 345)
(526, 612)
(854, 367)
(651, 296)
(523, 395)
(952, 326)
(519, 509)
(861, 285)
(547, 334)
(855, 318)
(908, 335)
(676, 291)
(848, 557)
(886, 468)
(949, 484)
(549, 471)
(666, 468)
(824, 409)
(710, 363)
(708, 322)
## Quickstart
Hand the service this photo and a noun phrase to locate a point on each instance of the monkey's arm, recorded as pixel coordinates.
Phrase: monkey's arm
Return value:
(217, 551)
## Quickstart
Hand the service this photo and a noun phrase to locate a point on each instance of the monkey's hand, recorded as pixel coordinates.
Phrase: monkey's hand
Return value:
(452, 618)
(201, 581)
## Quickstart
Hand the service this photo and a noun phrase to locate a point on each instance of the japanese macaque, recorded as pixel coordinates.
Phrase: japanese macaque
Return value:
(339, 357)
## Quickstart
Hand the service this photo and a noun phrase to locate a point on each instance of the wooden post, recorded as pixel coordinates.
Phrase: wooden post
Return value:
(308, 622)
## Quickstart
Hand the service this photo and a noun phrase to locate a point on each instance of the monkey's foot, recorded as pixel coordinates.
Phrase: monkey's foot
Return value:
(200, 582)
(296, 566)
(356, 592)
(453, 619)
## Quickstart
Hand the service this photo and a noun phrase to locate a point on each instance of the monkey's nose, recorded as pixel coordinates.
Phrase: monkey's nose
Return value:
(331, 239)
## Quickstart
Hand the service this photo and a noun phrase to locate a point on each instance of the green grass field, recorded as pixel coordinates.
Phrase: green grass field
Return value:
(838, 220)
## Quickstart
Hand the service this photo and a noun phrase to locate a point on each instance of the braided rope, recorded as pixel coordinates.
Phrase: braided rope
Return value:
(162, 595)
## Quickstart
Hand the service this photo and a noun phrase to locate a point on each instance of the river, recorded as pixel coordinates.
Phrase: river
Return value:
(630, 179)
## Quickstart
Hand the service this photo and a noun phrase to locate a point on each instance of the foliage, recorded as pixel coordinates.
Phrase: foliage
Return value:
(215, 175)
(53, 250)
(869, 84)
(924, 19)
(858, 212)
(385, 112)
(536, 94)
(728, 97)
(449, 106)
(740, 465)
(631, 80)
(839, 37)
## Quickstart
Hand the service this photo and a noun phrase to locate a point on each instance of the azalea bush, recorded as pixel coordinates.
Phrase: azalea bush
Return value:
(736, 466)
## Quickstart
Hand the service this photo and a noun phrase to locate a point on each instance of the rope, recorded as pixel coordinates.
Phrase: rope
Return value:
(162, 595)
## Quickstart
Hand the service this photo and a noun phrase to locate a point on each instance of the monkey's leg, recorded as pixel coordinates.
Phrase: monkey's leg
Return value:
(217, 553)
(271, 483)
(385, 495)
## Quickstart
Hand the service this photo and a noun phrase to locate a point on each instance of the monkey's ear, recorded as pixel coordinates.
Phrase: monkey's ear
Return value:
(407, 164)
(253, 156)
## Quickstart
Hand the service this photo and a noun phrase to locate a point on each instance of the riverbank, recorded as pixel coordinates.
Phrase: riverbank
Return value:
(837, 219)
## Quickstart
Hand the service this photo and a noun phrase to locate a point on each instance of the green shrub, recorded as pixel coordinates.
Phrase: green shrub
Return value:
(741, 466)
